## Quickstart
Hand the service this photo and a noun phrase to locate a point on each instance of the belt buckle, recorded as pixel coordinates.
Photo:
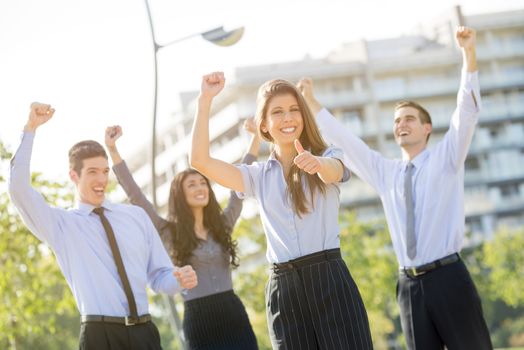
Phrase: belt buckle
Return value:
(415, 273)
(130, 321)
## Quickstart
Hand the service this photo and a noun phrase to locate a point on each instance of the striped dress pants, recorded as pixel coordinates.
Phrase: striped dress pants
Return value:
(313, 303)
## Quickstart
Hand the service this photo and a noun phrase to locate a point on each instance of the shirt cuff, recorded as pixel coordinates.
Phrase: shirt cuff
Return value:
(171, 286)
(469, 85)
(249, 158)
(248, 190)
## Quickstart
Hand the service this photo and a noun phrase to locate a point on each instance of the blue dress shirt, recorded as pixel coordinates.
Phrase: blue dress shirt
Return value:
(82, 250)
(288, 235)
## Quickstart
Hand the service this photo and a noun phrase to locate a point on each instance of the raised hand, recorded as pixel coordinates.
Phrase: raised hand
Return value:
(40, 113)
(186, 276)
(466, 40)
(306, 161)
(466, 37)
(250, 126)
(113, 133)
(305, 86)
(212, 84)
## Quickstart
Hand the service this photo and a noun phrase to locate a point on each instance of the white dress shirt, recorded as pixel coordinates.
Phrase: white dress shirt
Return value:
(438, 179)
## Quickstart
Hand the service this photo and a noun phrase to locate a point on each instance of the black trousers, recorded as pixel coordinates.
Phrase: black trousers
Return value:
(316, 306)
(442, 308)
(113, 336)
(218, 322)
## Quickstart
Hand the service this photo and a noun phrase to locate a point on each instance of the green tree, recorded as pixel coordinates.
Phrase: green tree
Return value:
(250, 279)
(37, 309)
(496, 267)
(504, 257)
(366, 248)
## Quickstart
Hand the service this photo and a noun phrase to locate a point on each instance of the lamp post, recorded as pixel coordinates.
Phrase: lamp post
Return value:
(217, 36)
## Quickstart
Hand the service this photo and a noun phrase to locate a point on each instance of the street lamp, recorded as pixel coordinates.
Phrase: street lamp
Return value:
(217, 36)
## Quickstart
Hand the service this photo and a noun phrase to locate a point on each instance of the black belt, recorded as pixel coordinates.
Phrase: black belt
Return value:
(128, 320)
(325, 255)
(422, 269)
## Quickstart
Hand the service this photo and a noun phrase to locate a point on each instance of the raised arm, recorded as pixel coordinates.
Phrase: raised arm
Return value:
(368, 164)
(465, 117)
(254, 143)
(467, 41)
(219, 171)
(234, 205)
(124, 177)
(35, 212)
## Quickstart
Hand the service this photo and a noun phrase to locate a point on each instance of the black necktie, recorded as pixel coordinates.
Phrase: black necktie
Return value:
(118, 261)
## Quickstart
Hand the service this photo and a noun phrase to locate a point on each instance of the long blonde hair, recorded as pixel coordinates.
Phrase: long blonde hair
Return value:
(310, 139)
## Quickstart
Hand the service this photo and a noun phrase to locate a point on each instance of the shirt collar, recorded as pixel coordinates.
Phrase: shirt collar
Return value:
(86, 209)
(272, 160)
(419, 159)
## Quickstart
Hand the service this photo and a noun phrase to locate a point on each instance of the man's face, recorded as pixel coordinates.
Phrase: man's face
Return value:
(409, 129)
(92, 181)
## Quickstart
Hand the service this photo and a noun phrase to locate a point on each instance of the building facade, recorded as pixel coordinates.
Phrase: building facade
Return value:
(360, 83)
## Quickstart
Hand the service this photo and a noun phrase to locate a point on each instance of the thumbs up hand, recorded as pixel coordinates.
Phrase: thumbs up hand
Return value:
(306, 161)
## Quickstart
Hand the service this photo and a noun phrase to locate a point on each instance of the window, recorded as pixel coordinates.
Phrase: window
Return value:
(472, 163)
(509, 190)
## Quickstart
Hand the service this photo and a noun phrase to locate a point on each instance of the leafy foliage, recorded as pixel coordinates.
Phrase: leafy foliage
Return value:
(37, 309)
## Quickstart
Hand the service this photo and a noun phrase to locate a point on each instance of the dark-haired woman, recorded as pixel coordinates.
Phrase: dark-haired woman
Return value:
(197, 232)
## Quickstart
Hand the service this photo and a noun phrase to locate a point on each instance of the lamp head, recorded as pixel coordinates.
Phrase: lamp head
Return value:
(221, 37)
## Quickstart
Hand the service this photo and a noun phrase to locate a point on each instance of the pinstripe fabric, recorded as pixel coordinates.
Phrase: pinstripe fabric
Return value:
(218, 322)
(316, 306)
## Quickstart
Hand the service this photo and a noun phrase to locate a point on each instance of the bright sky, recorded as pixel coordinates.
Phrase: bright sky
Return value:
(93, 60)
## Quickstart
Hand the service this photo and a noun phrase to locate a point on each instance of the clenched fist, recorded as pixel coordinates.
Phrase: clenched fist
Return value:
(212, 84)
(466, 37)
(112, 134)
(40, 113)
(186, 276)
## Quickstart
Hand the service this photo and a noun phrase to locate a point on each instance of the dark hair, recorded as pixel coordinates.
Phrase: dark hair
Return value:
(182, 222)
(84, 150)
(310, 139)
(423, 114)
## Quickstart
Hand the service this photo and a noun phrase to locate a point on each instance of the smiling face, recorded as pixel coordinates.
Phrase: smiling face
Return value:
(408, 128)
(283, 120)
(196, 191)
(92, 181)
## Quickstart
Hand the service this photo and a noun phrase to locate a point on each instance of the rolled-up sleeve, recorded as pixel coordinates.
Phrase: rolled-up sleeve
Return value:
(250, 176)
(337, 153)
